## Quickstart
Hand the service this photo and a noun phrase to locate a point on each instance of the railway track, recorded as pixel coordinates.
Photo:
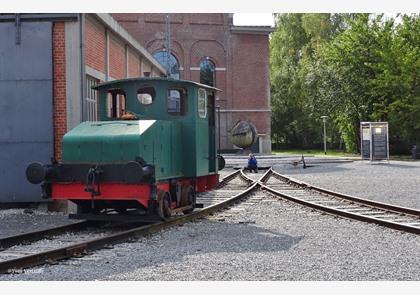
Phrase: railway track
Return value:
(233, 189)
(396, 217)
(23, 251)
(37, 235)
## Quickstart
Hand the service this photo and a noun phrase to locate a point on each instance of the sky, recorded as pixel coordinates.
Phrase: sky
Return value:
(253, 19)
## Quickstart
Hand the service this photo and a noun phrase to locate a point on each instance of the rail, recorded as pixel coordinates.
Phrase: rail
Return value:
(392, 216)
(84, 247)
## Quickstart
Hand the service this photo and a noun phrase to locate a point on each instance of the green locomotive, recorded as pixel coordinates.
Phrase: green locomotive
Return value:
(152, 150)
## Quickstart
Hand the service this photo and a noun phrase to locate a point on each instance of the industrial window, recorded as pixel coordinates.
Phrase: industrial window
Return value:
(146, 95)
(91, 101)
(202, 103)
(208, 72)
(115, 103)
(168, 61)
(177, 101)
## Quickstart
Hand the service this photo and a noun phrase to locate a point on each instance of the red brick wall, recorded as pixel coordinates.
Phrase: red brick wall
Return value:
(190, 34)
(116, 59)
(95, 44)
(250, 71)
(250, 64)
(59, 71)
(133, 64)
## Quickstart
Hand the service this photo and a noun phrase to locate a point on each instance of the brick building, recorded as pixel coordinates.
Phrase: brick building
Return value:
(48, 63)
(209, 48)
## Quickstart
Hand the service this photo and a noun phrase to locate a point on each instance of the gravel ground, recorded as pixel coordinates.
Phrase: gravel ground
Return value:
(272, 240)
(58, 241)
(396, 182)
(16, 221)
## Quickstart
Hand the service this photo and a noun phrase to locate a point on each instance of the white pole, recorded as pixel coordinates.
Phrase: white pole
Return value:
(324, 119)
(325, 140)
(387, 142)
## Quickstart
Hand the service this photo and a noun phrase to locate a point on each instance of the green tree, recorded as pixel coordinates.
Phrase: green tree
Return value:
(295, 122)
(289, 123)
(350, 67)
(369, 72)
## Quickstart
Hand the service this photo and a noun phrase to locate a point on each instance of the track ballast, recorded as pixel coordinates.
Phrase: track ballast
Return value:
(233, 189)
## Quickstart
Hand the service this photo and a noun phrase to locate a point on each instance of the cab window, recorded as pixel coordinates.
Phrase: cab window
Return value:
(146, 95)
(202, 103)
(177, 101)
(115, 103)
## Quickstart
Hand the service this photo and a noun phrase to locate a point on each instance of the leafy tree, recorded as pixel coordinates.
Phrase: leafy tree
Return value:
(369, 73)
(351, 67)
(295, 123)
(289, 119)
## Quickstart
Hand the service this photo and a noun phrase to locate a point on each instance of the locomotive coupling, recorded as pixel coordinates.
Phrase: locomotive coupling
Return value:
(37, 173)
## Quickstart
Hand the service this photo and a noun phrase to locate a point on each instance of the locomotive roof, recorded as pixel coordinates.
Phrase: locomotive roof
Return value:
(147, 79)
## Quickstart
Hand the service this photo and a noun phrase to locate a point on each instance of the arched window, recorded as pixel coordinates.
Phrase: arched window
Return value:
(208, 72)
(161, 57)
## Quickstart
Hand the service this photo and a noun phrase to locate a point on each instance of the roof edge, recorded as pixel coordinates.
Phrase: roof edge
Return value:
(154, 79)
(260, 30)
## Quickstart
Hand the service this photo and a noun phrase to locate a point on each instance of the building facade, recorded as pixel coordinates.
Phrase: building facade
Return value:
(208, 48)
(48, 63)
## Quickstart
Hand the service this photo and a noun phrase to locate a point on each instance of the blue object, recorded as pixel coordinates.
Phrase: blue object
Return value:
(252, 162)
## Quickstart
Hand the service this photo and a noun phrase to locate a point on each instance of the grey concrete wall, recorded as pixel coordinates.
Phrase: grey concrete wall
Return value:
(265, 144)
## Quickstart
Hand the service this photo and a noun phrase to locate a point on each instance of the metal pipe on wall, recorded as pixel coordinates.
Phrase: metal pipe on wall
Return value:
(81, 20)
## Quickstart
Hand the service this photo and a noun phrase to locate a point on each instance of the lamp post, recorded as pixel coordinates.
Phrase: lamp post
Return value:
(168, 44)
(324, 120)
(218, 127)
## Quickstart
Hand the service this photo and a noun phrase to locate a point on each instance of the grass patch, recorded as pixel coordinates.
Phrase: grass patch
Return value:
(335, 153)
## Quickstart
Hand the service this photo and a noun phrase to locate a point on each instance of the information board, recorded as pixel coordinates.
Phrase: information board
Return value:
(374, 141)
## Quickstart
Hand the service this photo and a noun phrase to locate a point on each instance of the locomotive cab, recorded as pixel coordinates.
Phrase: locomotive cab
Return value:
(152, 150)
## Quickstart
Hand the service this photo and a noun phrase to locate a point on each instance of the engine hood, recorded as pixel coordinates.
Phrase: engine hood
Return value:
(105, 141)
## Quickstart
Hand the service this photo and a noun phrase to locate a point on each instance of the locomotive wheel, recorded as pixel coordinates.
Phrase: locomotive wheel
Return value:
(191, 197)
(164, 206)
